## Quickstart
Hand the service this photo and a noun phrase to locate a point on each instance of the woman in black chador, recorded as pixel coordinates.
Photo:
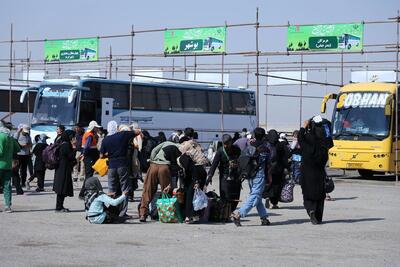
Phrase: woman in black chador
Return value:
(313, 161)
(63, 175)
(229, 180)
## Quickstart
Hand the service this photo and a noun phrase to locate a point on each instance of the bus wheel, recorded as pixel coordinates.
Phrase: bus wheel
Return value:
(349, 46)
(366, 173)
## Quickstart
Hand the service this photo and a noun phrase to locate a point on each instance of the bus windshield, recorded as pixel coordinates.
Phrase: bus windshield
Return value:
(361, 116)
(52, 106)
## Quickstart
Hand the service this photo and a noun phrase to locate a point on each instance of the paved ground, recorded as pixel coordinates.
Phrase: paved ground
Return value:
(361, 228)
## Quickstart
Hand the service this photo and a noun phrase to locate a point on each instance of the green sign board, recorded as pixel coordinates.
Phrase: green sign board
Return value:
(72, 50)
(199, 40)
(326, 37)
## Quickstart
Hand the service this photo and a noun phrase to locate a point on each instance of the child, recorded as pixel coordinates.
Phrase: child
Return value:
(99, 207)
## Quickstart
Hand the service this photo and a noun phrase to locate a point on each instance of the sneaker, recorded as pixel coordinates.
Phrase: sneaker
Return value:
(62, 210)
(8, 210)
(313, 218)
(265, 221)
(275, 207)
(236, 219)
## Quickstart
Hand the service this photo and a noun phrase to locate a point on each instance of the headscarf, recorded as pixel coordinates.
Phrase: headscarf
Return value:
(226, 139)
(67, 136)
(93, 189)
(42, 138)
(273, 136)
(112, 127)
(93, 184)
(5, 127)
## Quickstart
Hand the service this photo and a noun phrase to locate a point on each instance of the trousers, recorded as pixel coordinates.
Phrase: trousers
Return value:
(157, 174)
(5, 177)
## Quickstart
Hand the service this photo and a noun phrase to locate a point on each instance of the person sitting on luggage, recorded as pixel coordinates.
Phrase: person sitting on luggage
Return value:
(100, 207)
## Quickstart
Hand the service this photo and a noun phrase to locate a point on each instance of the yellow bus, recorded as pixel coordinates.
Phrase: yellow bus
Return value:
(363, 128)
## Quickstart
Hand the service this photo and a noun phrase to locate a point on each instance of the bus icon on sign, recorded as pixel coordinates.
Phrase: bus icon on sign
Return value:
(348, 41)
(88, 54)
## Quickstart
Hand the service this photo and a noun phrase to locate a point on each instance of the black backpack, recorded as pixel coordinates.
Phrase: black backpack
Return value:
(248, 163)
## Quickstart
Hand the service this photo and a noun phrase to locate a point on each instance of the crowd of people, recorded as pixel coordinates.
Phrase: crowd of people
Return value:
(174, 164)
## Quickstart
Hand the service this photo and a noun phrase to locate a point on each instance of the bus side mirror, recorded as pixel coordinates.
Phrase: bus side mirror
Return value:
(23, 95)
(72, 95)
(25, 92)
(325, 100)
(388, 106)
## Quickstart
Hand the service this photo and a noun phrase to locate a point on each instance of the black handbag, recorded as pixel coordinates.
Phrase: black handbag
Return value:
(329, 185)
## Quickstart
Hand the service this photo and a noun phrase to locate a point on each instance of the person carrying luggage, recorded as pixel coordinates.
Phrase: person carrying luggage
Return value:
(229, 181)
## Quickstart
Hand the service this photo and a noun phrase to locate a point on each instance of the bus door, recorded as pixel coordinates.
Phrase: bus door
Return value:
(87, 111)
(106, 110)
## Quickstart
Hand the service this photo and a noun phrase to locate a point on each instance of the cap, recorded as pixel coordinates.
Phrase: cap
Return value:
(92, 125)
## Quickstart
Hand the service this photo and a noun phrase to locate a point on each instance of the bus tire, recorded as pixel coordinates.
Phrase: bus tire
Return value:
(349, 46)
(366, 173)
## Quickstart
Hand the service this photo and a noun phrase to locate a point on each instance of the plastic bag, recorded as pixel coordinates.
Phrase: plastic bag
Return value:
(101, 166)
(167, 209)
(200, 200)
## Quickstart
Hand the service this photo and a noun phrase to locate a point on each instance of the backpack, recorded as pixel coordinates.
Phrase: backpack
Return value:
(248, 163)
(51, 157)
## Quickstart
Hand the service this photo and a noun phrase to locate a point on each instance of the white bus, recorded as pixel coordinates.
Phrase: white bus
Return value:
(20, 112)
(155, 106)
(348, 41)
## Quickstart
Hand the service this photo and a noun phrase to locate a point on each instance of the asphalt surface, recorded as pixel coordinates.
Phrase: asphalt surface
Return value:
(361, 228)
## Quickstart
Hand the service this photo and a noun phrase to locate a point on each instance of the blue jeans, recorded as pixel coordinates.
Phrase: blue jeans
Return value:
(256, 185)
(296, 172)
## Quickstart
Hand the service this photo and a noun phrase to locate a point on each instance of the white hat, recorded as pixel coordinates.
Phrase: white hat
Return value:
(92, 125)
(25, 128)
(317, 119)
(282, 136)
